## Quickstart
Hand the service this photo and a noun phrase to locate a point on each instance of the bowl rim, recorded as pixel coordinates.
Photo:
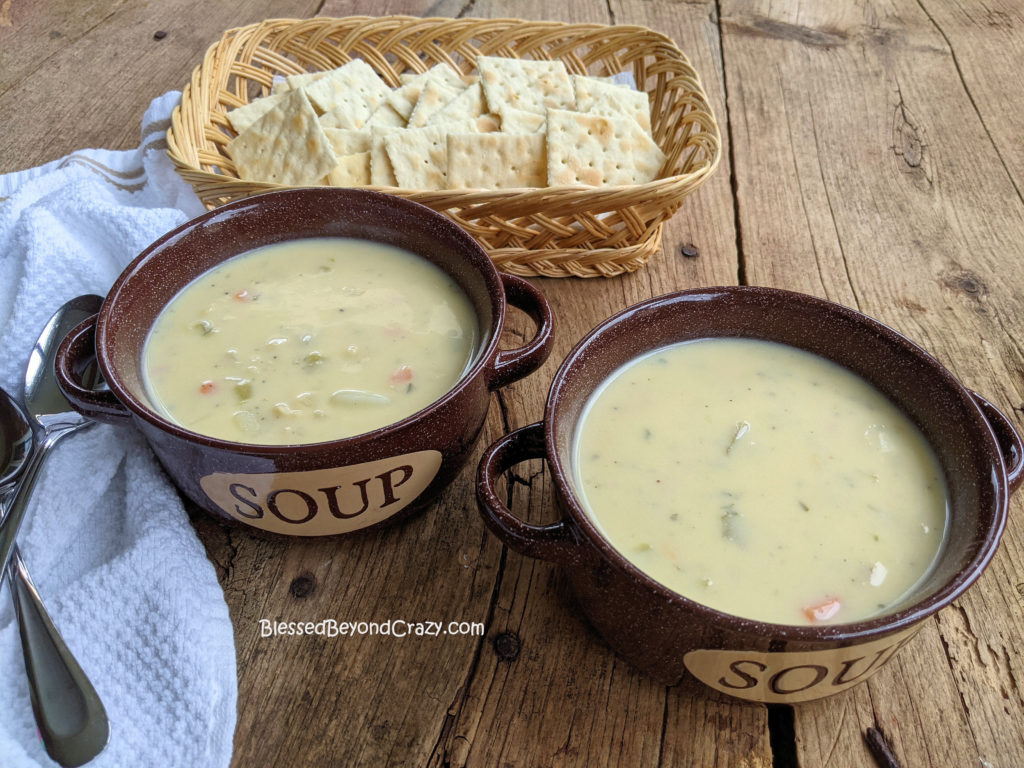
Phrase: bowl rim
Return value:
(473, 254)
(842, 633)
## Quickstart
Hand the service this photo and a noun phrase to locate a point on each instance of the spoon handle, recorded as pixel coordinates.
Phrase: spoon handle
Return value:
(11, 522)
(71, 719)
(72, 722)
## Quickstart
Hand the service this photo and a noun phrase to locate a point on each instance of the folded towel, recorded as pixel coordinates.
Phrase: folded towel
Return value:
(107, 539)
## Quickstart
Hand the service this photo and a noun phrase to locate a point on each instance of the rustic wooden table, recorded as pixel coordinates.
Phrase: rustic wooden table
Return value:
(873, 156)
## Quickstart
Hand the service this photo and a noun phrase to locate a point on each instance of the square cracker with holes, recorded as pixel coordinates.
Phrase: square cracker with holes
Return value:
(294, 82)
(351, 171)
(385, 117)
(285, 146)
(365, 139)
(349, 94)
(465, 106)
(596, 97)
(496, 161)
(520, 121)
(244, 116)
(382, 173)
(347, 142)
(525, 84)
(403, 99)
(595, 150)
(433, 98)
(419, 156)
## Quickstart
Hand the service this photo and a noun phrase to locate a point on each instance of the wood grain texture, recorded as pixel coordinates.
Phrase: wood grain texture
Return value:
(986, 43)
(987, 46)
(80, 74)
(866, 174)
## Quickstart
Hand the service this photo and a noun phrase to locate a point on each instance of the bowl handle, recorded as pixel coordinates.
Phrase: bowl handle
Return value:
(554, 542)
(1007, 438)
(513, 364)
(76, 353)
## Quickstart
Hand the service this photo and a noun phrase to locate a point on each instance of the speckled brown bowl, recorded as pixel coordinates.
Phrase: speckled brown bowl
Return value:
(666, 634)
(322, 488)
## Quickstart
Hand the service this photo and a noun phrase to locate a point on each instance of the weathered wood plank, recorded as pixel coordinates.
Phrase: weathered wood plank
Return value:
(90, 86)
(422, 8)
(987, 44)
(704, 728)
(864, 174)
(986, 41)
(31, 35)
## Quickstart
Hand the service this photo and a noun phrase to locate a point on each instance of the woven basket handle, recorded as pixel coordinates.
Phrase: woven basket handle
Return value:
(513, 364)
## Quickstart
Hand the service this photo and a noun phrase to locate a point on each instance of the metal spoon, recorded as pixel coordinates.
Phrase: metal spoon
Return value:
(55, 676)
(72, 722)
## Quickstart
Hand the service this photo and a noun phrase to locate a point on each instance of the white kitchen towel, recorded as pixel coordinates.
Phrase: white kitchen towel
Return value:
(107, 539)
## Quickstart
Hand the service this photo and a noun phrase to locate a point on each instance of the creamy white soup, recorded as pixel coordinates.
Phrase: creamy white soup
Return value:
(307, 341)
(761, 480)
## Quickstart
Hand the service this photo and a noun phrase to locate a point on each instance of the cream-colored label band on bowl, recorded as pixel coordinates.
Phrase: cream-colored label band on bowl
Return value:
(322, 502)
(788, 677)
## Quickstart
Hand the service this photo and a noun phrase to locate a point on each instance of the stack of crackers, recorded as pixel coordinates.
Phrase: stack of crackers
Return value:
(517, 123)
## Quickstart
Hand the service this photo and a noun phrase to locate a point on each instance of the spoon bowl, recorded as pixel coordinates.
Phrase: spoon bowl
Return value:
(16, 439)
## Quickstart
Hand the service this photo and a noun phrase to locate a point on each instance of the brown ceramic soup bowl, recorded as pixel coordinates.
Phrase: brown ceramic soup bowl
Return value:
(320, 488)
(668, 635)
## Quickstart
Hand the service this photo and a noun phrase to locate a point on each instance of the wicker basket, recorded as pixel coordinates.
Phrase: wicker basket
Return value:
(554, 231)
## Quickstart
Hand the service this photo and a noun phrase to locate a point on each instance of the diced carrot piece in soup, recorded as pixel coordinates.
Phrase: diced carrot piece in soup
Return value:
(824, 610)
(402, 375)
